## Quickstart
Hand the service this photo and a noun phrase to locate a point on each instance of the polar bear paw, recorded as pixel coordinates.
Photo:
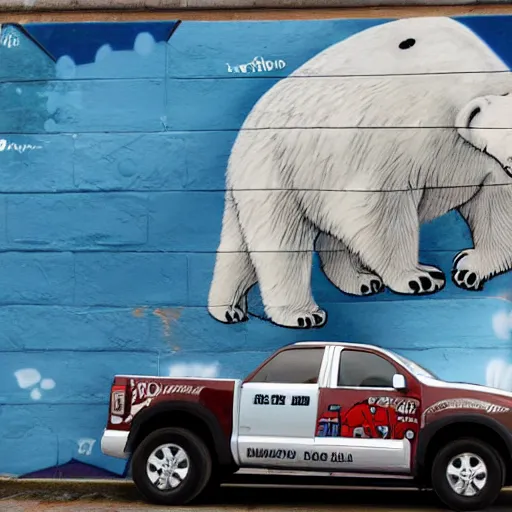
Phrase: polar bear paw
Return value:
(229, 314)
(466, 273)
(298, 319)
(422, 281)
(370, 284)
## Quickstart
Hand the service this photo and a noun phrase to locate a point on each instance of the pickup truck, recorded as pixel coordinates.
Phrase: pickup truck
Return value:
(328, 407)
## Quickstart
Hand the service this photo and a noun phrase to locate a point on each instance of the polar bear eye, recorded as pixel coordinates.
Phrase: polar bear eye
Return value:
(406, 44)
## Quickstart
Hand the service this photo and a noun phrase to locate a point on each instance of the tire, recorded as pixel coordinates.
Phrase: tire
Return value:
(193, 482)
(451, 458)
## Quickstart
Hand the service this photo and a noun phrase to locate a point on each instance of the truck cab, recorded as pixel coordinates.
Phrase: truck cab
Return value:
(328, 407)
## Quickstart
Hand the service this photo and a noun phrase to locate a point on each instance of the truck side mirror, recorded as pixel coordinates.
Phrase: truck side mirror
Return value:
(399, 382)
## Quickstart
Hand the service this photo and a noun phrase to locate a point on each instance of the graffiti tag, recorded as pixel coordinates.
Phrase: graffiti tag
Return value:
(20, 148)
(9, 40)
(145, 390)
(257, 65)
(85, 446)
(403, 406)
(263, 453)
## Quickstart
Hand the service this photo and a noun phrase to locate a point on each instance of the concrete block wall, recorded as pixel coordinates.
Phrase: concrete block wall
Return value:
(114, 143)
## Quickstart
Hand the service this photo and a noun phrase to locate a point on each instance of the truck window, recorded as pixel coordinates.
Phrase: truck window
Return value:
(296, 366)
(364, 369)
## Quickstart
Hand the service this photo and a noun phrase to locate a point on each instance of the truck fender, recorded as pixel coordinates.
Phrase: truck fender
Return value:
(429, 431)
(220, 440)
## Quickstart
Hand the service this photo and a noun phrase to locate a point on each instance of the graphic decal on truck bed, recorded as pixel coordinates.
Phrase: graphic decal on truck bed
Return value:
(143, 393)
(376, 417)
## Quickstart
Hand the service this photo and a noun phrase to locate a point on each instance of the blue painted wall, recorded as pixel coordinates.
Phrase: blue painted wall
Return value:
(113, 151)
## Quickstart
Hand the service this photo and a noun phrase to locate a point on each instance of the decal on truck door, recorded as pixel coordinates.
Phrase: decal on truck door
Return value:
(300, 400)
(375, 417)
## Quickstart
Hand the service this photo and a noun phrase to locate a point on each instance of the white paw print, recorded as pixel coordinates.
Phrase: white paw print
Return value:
(30, 378)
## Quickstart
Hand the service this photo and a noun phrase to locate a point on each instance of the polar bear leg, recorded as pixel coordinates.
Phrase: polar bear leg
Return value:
(280, 241)
(383, 229)
(234, 273)
(345, 269)
(489, 216)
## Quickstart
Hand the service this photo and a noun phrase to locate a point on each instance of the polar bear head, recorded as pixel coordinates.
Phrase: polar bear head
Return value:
(406, 46)
(486, 123)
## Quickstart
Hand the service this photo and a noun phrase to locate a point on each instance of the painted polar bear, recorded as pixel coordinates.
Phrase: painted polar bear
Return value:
(349, 154)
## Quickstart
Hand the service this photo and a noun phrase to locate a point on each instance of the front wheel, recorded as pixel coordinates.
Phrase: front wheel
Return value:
(467, 475)
(171, 466)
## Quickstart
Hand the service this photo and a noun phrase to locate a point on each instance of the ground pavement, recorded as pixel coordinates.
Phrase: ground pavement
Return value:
(65, 496)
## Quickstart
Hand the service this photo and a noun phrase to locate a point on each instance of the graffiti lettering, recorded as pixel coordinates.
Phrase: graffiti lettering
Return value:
(148, 389)
(20, 148)
(85, 446)
(183, 390)
(403, 406)
(300, 400)
(407, 419)
(153, 389)
(316, 456)
(341, 457)
(9, 40)
(278, 399)
(261, 400)
(269, 400)
(263, 453)
(257, 65)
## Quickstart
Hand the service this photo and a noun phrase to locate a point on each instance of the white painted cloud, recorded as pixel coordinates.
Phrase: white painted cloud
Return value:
(27, 377)
(30, 378)
(194, 370)
(498, 374)
(36, 394)
(47, 384)
(103, 52)
(144, 43)
(502, 325)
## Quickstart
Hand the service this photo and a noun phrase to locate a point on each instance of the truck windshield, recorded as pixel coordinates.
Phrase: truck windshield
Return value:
(415, 368)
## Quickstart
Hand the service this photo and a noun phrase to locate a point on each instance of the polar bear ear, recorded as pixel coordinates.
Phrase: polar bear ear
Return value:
(467, 121)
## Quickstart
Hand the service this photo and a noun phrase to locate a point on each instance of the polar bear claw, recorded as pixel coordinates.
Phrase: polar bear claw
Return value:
(374, 286)
(466, 273)
(297, 319)
(424, 280)
(235, 315)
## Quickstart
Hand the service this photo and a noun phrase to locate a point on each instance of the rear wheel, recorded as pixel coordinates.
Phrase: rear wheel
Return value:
(171, 466)
(467, 475)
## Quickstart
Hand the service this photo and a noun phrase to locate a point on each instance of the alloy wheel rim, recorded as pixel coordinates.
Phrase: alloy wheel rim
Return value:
(167, 467)
(467, 474)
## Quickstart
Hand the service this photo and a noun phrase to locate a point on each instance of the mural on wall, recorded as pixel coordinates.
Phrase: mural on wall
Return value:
(338, 159)
(163, 182)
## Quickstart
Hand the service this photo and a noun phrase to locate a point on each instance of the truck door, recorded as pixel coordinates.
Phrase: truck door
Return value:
(364, 423)
(278, 407)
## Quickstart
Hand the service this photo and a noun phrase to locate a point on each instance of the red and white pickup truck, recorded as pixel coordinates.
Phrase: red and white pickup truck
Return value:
(325, 407)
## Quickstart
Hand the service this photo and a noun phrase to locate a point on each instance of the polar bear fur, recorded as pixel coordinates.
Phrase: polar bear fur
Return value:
(347, 156)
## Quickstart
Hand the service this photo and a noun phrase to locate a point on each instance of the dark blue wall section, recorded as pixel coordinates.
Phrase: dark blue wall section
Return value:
(114, 143)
